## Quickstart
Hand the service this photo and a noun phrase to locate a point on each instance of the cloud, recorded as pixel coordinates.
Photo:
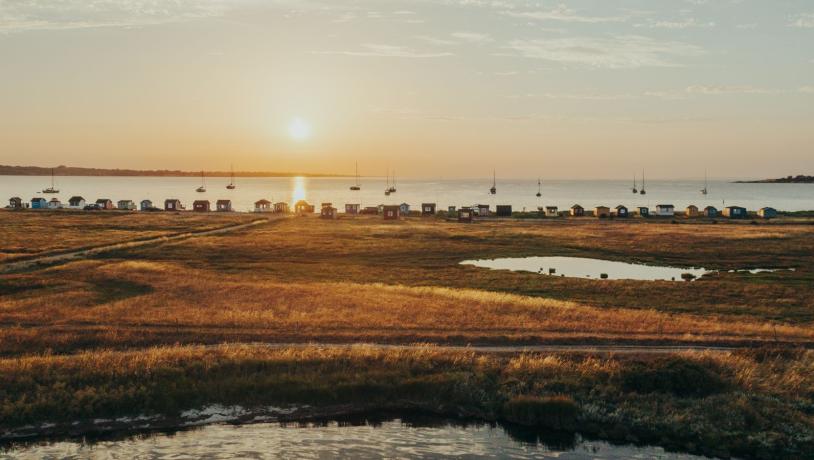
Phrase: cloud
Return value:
(730, 89)
(23, 15)
(471, 37)
(806, 89)
(621, 52)
(688, 23)
(803, 20)
(576, 96)
(377, 50)
(563, 14)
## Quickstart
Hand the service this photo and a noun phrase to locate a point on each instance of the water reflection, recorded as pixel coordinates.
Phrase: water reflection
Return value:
(582, 267)
(298, 189)
(363, 437)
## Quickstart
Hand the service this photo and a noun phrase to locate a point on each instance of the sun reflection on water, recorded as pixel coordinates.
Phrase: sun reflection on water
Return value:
(299, 186)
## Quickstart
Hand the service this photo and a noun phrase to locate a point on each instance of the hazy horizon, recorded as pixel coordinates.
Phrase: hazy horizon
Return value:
(564, 89)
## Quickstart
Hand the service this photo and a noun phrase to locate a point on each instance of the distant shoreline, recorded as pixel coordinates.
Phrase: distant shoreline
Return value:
(6, 170)
(800, 179)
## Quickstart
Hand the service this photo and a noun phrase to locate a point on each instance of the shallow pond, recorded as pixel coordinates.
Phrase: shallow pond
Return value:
(393, 438)
(582, 267)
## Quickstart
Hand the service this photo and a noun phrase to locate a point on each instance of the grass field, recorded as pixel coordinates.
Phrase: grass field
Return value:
(75, 336)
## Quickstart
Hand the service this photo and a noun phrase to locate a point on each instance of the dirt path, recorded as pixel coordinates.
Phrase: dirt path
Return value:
(64, 257)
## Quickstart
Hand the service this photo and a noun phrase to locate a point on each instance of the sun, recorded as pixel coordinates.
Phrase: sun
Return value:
(299, 129)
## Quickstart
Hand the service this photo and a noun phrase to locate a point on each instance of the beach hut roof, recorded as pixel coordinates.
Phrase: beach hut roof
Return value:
(621, 206)
(263, 201)
(76, 198)
(576, 206)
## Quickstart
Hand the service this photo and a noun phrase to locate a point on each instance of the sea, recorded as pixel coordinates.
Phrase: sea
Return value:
(520, 194)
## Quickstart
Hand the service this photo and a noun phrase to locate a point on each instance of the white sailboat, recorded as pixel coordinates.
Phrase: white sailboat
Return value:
(705, 190)
(642, 191)
(232, 184)
(202, 188)
(634, 184)
(51, 189)
(539, 188)
(357, 186)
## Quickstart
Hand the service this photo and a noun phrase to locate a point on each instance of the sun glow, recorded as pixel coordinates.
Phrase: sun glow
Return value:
(299, 129)
(298, 188)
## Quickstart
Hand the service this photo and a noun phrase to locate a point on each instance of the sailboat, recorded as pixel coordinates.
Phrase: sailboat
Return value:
(705, 190)
(357, 186)
(202, 188)
(387, 187)
(539, 188)
(51, 189)
(642, 191)
(232, 185)
(634, 185)
(493, 190)
(392, 188)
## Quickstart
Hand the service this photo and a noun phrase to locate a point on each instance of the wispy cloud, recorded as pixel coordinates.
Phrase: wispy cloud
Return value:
(730, 89)
(806, 89)
(803, 20)
(24, 15)
(378, 50)
(472, 37)
(621, 52)
(574, 96)
(687, 23)
(563, 13)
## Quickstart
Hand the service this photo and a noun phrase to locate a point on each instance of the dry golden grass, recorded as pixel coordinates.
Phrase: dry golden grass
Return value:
(167, 303)
(30, 233)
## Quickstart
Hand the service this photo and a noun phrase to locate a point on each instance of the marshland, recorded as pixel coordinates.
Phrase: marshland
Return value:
(293, 312)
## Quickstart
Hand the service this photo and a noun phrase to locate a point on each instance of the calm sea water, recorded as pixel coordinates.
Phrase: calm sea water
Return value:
(519, 193)
(391, 439)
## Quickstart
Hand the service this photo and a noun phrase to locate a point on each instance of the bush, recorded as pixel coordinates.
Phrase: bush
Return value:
(677, 376)
(556, 412)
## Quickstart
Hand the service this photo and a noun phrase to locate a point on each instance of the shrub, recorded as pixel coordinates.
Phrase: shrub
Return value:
(556, 412)
(673, 375)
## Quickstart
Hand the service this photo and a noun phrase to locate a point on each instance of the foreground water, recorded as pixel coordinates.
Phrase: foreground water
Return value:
(389, 439)
(518, 193)
(583, 267)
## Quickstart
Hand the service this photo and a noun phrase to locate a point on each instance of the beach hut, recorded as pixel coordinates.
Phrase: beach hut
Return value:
(262, 205)
(577, 210)
(391, 212)
(281, 207)
(302, 207)
(370, 210)
(710, 211)
(173, 204)
(54, 203)
(735, 212)
(327, 212)
(503, 210)
(665, 210)
(552, 211)
(767, 213)
(644, 211)
(352, 208)
(127, 205)
(465, 215)
(200, 205)
(602, 212)
(15, 202)
(223, 206)
(691, 211)
(39, 203)
(76, 202)
(404, 209)
(482, 210)
(105, 203)
(146, 205)
(427, 209)
(621, 211)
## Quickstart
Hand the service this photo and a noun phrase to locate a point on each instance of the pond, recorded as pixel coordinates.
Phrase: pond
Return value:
(583, 267)
(393, 438)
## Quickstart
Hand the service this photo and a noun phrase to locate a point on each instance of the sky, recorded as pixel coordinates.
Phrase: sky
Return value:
(569, 89)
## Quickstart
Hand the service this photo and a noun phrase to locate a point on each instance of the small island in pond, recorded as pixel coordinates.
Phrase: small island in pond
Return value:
(799, 179)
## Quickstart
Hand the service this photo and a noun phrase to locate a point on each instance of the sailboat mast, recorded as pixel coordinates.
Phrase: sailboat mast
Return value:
(357, 173)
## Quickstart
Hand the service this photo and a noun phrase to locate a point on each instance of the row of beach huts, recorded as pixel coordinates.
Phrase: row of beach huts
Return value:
(327, 210)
